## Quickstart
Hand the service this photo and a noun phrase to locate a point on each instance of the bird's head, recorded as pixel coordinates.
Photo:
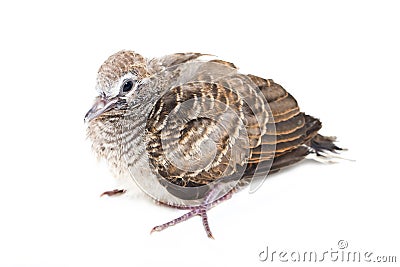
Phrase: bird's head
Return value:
(119, 81)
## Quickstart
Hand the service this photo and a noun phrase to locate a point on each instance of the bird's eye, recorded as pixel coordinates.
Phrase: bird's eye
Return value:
(127, 86)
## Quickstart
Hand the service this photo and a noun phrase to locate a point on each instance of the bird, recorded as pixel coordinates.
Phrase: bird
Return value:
(190, 130)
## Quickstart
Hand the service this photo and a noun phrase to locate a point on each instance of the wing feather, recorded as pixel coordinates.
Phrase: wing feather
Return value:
(194, 139)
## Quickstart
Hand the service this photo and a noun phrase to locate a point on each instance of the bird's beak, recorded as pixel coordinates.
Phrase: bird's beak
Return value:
(101, 105)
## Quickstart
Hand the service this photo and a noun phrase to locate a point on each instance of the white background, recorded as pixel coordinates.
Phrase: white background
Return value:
(339, 59)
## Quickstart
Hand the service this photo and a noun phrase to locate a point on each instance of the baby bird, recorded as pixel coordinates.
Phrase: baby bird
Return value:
(190, 131)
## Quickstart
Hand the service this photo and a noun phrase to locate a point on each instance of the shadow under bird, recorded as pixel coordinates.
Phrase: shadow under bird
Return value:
(190, 131)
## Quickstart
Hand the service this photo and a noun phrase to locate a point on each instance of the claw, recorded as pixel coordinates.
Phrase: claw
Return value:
(114, 192)
(155, 229)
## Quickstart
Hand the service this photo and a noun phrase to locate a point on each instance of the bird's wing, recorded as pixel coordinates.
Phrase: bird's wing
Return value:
(293, 128)
(220, 123)
(196, 133)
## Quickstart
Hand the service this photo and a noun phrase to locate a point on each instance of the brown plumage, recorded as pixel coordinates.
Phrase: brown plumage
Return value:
(190, 132)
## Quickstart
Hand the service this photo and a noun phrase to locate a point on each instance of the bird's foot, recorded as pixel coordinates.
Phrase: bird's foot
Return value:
(115, 192)
(198, 210)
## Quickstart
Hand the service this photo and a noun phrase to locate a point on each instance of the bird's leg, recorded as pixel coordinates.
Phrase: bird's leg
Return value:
(198, 210)
(115, 192)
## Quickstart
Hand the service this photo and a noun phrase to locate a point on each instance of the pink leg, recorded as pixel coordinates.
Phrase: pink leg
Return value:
(198, 210)
(182, 218)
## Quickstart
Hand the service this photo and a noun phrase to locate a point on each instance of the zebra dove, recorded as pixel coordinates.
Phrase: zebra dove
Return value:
(191, 131)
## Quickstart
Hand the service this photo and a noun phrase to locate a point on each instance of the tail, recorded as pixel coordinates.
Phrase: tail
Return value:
(323, 147)
(322, 144)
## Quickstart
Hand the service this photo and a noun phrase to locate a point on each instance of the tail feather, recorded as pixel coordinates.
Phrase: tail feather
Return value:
(322, 143)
